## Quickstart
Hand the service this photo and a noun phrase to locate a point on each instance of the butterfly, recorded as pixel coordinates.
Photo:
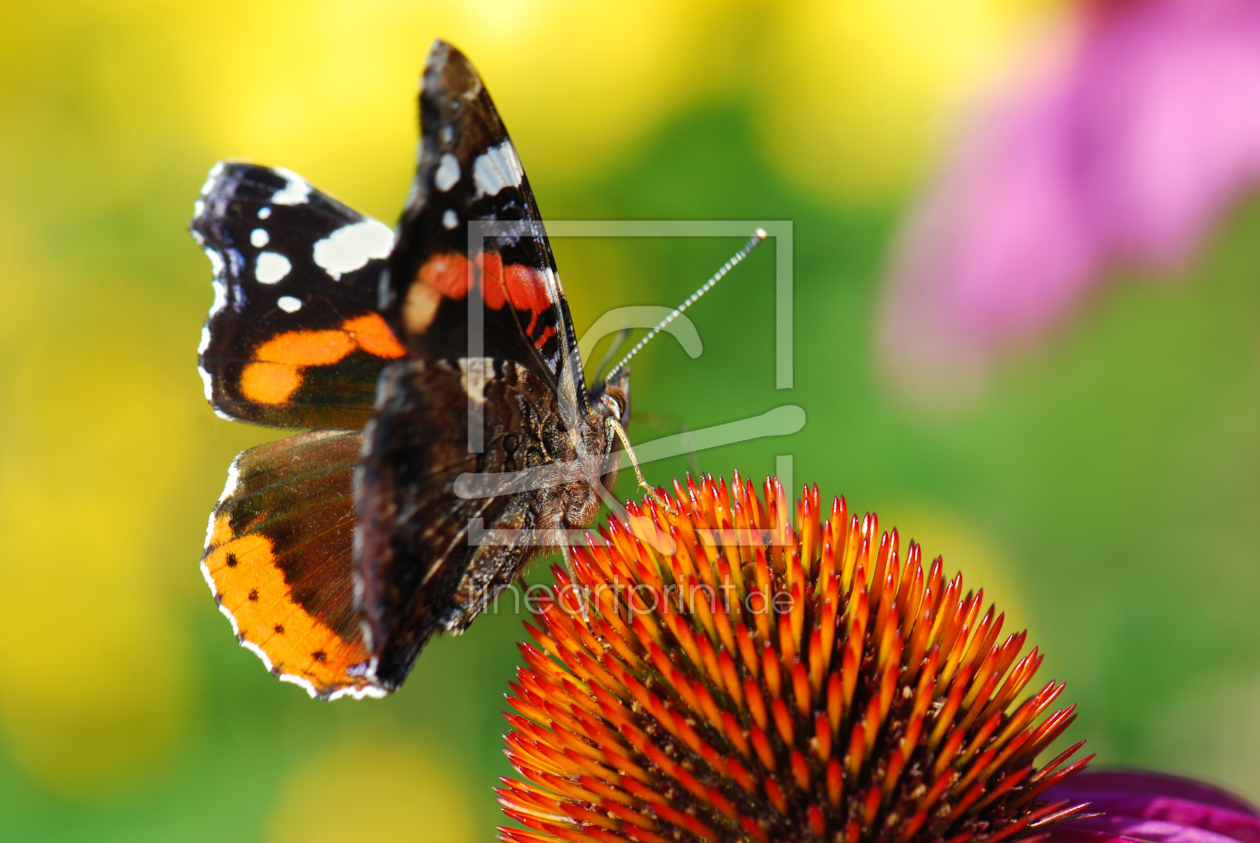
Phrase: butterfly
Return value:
(419, 363)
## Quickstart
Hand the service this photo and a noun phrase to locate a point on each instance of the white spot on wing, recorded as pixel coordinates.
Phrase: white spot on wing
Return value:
(233, 479)
(216, 261)
(289, 304)
(259, 238)
(210, 179)
(220, 297)
(199, 208)
(551, 284)
(205, 572)
(295, 192)
(447, 175)
(264, 212)
(450, 219)
(271, 267)
(284, 677)
(205, 340)
(207, 383)
(373, 691)
(352, 246)
(497, 169)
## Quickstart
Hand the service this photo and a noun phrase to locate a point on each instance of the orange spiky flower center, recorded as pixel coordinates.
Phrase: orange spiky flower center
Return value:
(711, 673)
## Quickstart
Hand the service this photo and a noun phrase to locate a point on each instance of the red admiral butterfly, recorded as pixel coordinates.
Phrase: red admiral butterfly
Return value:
(338, 552)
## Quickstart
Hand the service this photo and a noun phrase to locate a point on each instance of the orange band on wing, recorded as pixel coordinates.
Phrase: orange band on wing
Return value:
(306, 348)
(374, 336)
(269, 383)
(276, 372)
(248, 584)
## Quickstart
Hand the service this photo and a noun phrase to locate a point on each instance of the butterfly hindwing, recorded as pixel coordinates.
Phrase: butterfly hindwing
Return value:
(279, 558)
(470, 182)
(293, 338)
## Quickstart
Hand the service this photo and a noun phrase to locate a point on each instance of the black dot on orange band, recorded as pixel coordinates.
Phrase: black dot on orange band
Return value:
(279, 629)
(231, 560)
(253, 594)
(319, 655)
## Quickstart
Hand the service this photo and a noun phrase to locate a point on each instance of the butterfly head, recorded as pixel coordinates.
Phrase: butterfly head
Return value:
(610, 400)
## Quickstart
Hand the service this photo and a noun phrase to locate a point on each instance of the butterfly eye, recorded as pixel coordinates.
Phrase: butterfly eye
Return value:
(617, 401)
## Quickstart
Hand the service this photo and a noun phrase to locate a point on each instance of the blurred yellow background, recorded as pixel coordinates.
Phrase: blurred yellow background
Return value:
(1105, 490)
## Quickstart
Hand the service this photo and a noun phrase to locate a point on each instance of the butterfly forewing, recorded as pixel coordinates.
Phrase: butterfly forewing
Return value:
(470, 183)
(419, 562)
(293, 338)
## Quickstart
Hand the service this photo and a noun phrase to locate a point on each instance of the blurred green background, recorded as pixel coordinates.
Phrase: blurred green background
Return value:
(1104, 489)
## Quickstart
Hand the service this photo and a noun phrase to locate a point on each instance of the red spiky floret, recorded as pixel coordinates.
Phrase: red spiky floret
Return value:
(715, 670)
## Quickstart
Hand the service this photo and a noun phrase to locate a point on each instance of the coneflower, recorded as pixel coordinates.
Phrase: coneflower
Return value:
(711, 672)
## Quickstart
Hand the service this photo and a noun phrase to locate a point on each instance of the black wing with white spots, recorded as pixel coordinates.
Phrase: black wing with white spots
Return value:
(468, 170)
(421, 567)
(293, 338)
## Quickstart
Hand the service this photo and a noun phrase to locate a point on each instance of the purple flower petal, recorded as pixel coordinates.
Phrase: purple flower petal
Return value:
(1168, 121)
(1076, 833)
(1141, 783)
(1126, 154)
(999, 248)
(1150, 807)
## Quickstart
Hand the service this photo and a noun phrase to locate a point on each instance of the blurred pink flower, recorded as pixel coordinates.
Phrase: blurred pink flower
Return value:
(1130, 807)
(1125, 154)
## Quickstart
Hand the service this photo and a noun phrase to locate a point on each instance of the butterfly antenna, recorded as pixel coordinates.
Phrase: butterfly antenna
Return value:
(753, 242)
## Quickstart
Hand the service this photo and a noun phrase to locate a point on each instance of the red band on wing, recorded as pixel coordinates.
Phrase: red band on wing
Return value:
(547, 334)
(526, 289)
(447, 273)
(522, 285)
(491, 266)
